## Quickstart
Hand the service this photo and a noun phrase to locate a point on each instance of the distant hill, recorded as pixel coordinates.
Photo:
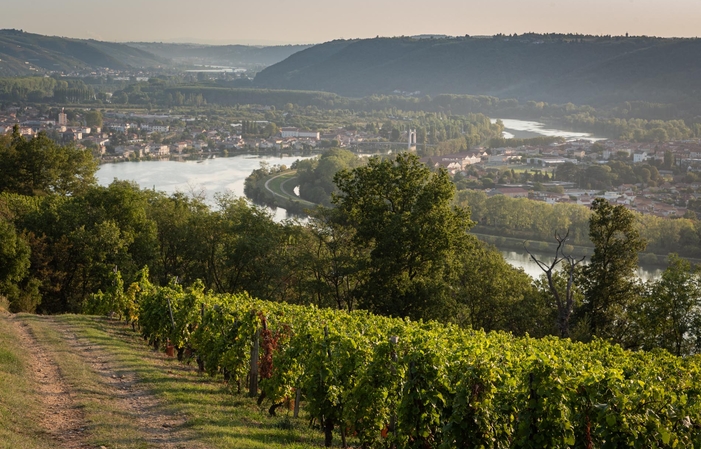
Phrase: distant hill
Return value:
(26, 53)
(242, 56)
(556, 69)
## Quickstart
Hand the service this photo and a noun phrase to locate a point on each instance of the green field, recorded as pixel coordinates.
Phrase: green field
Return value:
(282, 185)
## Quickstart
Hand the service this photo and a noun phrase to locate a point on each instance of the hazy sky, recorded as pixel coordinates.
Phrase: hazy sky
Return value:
(312, 21)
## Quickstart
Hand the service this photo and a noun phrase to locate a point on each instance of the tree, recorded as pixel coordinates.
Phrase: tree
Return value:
(270, 129)
(567, 172)
(93, 119)
(668, 160)
(14, 268)
(492, 295)
(252, 252)
(402, 215)
(394, 135)
(564, 303)
(39, 166)
(316, 178)
(670, 314)
(609, 282)
(333, 265)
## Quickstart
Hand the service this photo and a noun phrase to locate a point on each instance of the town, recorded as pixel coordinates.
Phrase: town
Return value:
(559, 172)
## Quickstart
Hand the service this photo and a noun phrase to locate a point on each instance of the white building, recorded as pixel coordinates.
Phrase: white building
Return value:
(159, 150)
(639, 156)
(121, 127)
(156, 128)
(295, 132)
(608, 154)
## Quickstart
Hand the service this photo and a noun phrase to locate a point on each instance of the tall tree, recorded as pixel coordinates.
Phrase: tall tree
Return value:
(402, 215)
(93, 118)
(609, 282)
(39, 166)
(492, 295)
(14, 267)
(670, 314)
(334, 265)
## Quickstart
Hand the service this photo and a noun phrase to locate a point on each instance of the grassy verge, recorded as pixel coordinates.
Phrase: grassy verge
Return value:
(106, 423)
(280, 186)
(20, 405)
(214, 417)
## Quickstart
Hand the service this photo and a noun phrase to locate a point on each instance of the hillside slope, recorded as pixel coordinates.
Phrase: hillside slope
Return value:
(243, 56)
(543, 68)
(31, 54)
(26, 53)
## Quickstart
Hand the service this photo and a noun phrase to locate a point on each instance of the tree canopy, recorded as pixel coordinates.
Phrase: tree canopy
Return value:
(610, 284)
(40, 166)
(402, 213)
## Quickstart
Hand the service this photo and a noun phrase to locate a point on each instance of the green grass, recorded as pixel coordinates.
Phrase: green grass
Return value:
(277, 183)
(214, 416)
(19, 403)
(106, 423)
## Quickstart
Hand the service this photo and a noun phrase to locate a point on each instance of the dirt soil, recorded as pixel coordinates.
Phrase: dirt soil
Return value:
(63, 420)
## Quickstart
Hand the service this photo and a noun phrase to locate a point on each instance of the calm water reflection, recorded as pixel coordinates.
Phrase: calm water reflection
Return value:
(523, 260)
(207, 177)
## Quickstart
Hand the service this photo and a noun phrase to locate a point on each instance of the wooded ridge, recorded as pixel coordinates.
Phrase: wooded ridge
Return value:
(554, 68)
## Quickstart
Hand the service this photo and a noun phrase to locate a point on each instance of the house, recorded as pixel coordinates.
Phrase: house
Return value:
(178, 147)
(609, 153)
(121, 127)
(550, 197)
(639, 156)
(159, 150)
(501, 159)
(71, 136)
(549, 161)
(129, 150)
(155, 128)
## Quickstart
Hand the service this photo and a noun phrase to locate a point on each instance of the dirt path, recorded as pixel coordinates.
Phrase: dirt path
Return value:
(122, 391)
(159, 428)
(63, 420)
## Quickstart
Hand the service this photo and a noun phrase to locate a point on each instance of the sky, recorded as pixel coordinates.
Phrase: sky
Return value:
(269, 22)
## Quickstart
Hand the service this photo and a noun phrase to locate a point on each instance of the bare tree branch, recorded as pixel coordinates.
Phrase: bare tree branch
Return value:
(564, 308)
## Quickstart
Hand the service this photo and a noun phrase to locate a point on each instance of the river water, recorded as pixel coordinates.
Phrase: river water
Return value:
(207, 177)
(524, 129)
(523, 260)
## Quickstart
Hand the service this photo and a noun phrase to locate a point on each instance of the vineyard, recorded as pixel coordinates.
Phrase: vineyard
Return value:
(378, 382)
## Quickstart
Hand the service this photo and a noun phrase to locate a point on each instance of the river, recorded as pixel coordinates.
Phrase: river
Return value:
(524, 129)
(207, 177)
(523, 260)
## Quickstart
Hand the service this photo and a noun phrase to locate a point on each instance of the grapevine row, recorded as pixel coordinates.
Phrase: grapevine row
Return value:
(387, 382)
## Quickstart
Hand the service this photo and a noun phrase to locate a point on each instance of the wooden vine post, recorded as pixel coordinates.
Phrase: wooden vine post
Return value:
(255, 355)
(169, 345)
(328, 423)
(393, 341)
(298, 397)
